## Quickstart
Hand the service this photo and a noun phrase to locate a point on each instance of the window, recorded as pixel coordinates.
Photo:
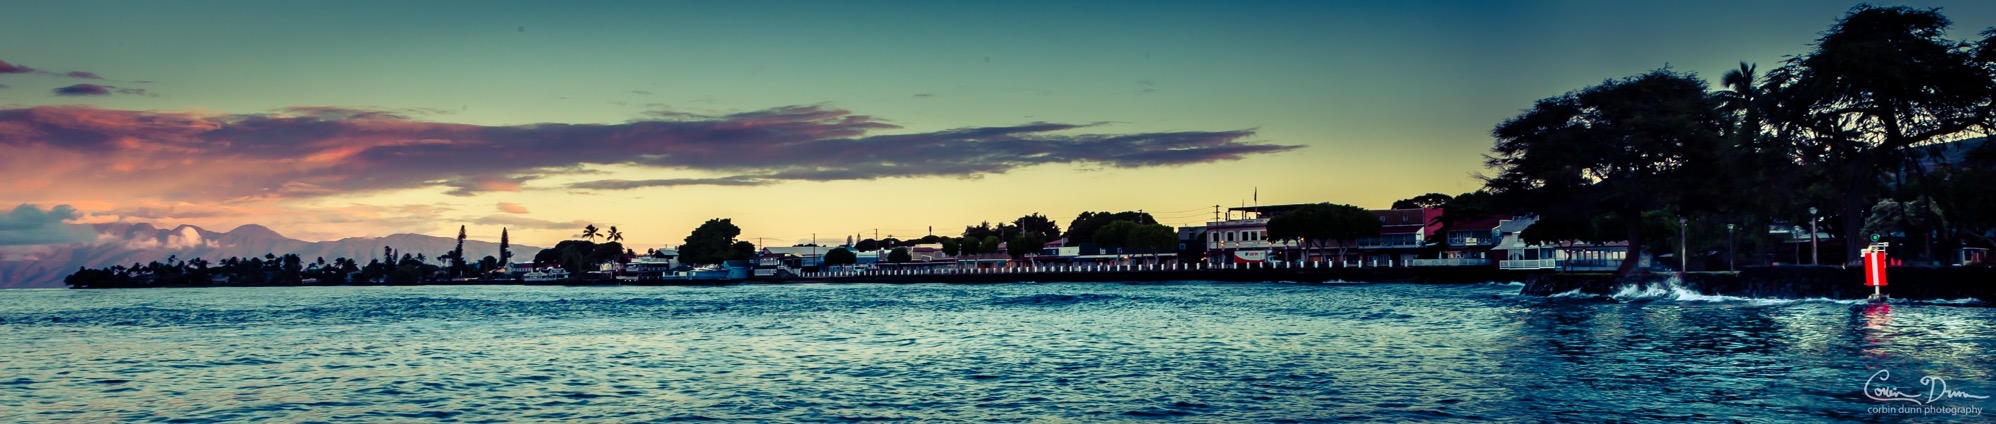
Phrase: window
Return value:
(1230, 236)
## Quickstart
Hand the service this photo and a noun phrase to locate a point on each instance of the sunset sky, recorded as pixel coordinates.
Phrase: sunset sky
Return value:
(325, 120)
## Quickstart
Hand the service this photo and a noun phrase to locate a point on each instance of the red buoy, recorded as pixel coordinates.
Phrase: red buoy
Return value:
(1875, 262)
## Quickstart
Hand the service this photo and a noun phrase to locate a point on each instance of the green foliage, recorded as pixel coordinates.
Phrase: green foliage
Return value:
(576, 256)
(899, 255)
(712, 243)
(1313, 224)
(1024, 244)
(989, 245)
(840, 256)
(952, 247)
(1881, 81)
(1430, 200)
(1151, 238)
(1623, 147)
(1085, 225)
(1038, 226)
(1114, 235)
(868, 245)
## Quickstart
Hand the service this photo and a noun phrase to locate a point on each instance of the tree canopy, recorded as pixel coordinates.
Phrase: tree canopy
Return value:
(1620, 147)
(840, 256)
(1083, 229)
(1880, 82)
(714, 242)
(1430, 200)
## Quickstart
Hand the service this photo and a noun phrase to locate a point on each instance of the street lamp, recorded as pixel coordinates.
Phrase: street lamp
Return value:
(1683, 249)
(1813, 250)
(1729, 247)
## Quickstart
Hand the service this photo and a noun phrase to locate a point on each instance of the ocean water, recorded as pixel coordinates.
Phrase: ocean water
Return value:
(1193, 351)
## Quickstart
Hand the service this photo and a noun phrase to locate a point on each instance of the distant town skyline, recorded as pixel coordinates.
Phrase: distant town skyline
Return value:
(324, 121)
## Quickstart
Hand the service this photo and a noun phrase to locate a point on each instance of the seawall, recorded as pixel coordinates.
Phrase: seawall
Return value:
(1788, 282)
(1373, 275)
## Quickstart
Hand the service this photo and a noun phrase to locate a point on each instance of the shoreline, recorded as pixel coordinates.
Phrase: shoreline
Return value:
(1780, 282)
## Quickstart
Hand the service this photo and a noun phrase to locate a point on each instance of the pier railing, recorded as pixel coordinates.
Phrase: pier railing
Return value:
(1450, 262)
(1122, 268)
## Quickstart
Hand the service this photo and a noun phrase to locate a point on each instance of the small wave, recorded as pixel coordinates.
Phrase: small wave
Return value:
(1051, 299)
(1967, 301)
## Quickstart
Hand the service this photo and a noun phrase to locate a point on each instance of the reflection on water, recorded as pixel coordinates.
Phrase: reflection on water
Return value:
(1084, 352)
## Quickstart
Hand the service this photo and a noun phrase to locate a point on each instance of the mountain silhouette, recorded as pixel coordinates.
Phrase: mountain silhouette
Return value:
(126, 244)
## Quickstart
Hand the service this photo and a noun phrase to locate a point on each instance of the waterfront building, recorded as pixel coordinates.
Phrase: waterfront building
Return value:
(1465, 244)
(648, 268)
(1516, 254)
(1242, 237)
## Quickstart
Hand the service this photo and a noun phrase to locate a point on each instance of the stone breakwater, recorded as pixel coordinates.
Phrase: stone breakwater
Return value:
(1786, 282)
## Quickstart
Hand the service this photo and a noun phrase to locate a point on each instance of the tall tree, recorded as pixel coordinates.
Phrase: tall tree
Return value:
(1616, 148)
(505, 248)
(614, 235)
(1038, 226)
(457, 267)
(1881, 81)
(590, 232)
(713, 242)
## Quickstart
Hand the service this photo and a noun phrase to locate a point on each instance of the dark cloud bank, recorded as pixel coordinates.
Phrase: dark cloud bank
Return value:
(325, 150)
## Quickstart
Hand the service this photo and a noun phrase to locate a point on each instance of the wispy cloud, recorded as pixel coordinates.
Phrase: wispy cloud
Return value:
(310, 152)
(516, 221)
(96, 90)
(9, 68)
(513, 208)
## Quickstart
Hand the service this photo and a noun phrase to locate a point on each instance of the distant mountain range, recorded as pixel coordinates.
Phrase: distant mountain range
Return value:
(125, 244)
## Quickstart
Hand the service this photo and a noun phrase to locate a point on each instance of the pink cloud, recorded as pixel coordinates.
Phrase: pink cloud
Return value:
(513, 208)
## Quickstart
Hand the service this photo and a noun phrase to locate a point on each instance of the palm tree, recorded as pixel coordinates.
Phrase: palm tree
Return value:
(589, 232)
(1743, 95)
(614, 235)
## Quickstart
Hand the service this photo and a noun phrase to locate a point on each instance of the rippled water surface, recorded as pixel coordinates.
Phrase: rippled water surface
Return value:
(932, 352)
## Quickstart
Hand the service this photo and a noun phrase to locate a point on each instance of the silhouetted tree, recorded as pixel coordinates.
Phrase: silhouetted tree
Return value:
(1617, 148)
(1881, 81)
(1430, 200)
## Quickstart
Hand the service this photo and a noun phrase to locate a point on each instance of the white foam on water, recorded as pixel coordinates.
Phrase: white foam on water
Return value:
(1961, 301)
(1671, 289)
(1571, 293)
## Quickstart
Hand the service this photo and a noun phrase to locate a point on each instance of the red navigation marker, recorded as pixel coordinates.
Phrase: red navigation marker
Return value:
(1875, 262)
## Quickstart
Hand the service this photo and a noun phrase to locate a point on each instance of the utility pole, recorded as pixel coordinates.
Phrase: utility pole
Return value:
(1730, 255)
